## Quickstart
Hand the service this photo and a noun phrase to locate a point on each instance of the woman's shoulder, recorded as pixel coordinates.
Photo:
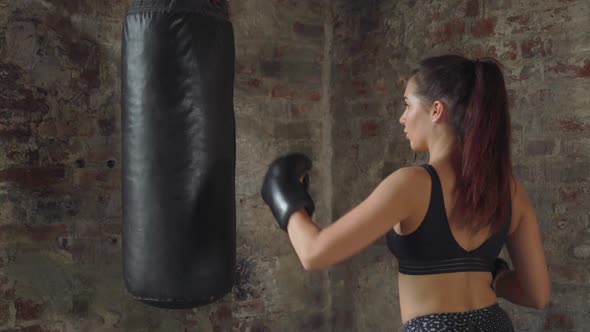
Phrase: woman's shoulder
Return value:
(411, 172)
(414, 177)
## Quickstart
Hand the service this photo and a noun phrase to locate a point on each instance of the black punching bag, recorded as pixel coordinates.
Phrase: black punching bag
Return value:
(178, 149)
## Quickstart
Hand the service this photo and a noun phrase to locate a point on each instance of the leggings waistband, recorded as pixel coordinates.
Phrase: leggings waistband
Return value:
(490, 318)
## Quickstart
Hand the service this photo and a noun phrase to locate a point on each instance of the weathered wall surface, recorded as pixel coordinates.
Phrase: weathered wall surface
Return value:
(544, 47)
(60, 198)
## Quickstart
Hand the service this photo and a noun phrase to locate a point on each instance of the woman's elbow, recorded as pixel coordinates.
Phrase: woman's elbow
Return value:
(541, 304)
(310, 265)
(307, 266)
(542, 297)
(543, 301)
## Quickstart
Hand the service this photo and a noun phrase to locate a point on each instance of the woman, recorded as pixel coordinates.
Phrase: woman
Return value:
(446, 221)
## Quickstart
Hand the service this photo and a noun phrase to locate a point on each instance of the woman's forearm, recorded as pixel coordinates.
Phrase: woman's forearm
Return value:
(508, 287)
(303, 232)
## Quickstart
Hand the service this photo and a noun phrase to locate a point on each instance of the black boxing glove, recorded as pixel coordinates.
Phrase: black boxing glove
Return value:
(285, 185)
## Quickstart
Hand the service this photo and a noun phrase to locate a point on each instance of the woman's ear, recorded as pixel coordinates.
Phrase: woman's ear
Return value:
(439, 110)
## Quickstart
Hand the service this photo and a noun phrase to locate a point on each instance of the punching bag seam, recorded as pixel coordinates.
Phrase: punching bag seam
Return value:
(201, 11)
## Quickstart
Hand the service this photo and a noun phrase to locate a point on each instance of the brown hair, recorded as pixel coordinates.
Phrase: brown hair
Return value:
(475, 94)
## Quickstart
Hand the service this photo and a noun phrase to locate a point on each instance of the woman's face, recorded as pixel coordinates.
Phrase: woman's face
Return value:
(416, 119)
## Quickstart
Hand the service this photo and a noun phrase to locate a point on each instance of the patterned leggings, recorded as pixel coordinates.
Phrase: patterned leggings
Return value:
(492, 318)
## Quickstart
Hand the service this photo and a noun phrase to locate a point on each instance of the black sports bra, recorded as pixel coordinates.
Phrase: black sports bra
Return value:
(432, 248)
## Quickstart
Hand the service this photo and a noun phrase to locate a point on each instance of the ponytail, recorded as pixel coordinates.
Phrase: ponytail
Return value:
(477, 100)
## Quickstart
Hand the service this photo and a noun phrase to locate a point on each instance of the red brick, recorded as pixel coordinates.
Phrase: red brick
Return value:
(34, 177)
(245, 68)
(536, 47)
(315, 96)
(295, 92)
(280, 91)
(28, 309)
(381, 87)
(573, 126)
(584, 70)
(18, 132)
(369, 128)
(308, 30)
(511, 50)
(85, 127)
(36, 328)
(570, 70)
(256, 83)
(558, 320)
(98, 178)
(568, 196)
(18, 98)
(360, 87)
(81, 50)
(448, 31)
(222, 318)
(299, 110)
(484, 28)
(34, 233)
(250, 85)
(111, 229)
(251, 307)
(342, 68)
(279, 51)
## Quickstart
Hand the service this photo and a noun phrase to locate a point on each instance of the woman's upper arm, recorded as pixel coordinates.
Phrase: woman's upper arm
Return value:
(525, 246)
(386, 206)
